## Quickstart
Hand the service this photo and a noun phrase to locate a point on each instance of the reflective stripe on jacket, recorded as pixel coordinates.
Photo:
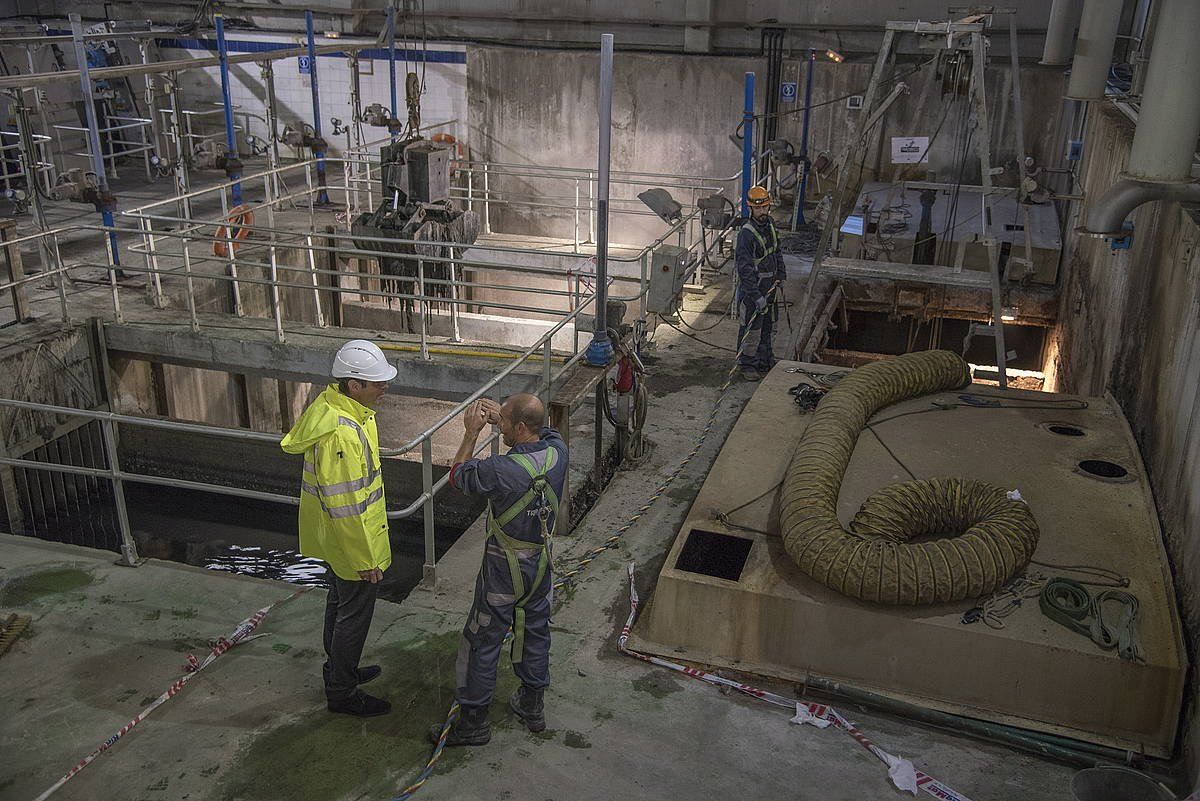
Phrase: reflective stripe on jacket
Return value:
(757, 258)
(343, 518)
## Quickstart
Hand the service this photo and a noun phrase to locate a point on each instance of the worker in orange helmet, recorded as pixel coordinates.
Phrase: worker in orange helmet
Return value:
(760, 270)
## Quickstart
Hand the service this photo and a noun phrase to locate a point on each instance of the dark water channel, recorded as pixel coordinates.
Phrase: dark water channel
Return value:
(257, 538)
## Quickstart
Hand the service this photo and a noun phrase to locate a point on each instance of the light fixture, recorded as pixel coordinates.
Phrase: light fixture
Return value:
(333, 34)
(835, 56)
(1008, 314)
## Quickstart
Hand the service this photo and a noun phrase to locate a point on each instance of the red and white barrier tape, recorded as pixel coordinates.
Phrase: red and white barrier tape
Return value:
(193, 667)
(896, 767)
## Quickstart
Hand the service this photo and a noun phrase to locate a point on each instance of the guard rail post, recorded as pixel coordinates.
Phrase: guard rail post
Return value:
(129, 554)
(430, 568)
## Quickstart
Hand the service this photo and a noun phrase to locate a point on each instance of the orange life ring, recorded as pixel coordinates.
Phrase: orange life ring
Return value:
(455, 146)
(239, 217)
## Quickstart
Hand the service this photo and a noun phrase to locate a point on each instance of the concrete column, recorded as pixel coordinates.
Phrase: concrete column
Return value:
(1169, 119)
(1094, 49)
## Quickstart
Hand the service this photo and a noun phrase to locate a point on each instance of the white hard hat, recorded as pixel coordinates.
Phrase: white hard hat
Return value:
(363, 360)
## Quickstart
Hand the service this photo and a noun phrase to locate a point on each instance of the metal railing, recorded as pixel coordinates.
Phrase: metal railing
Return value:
(424, 502)
(265, 193)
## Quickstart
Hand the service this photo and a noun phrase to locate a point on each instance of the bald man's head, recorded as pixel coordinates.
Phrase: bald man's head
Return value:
(521, 419)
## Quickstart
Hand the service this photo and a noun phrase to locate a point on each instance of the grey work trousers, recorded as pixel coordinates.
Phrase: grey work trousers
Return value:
(348, 611)
(489, 620)
(756, 351)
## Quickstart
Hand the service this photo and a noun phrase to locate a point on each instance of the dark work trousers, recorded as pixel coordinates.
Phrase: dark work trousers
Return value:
(489, 620)
(348, 611)
(756, 351)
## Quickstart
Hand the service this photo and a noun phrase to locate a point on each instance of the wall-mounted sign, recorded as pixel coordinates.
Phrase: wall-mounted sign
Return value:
(787, 92)
(305, 65)
(910, 149)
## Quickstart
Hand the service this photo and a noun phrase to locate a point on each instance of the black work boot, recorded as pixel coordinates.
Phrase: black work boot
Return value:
(360, 705)
(527, 704)
(471, 727)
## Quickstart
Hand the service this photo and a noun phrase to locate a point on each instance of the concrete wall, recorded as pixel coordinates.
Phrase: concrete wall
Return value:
(670, 115)
(665, 25)
(1130, 324)
(674, 114)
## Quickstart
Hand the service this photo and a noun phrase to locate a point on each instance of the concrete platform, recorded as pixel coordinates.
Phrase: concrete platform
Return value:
(768, 617)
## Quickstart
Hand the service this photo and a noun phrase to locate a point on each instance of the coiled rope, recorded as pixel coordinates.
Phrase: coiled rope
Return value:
(919, 542)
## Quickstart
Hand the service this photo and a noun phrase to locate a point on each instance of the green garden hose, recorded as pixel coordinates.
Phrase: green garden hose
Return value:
(920, 542)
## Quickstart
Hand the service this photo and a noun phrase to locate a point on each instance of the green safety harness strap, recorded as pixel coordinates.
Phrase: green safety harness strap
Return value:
(540, 491)
(762, 242)
(1069, 603)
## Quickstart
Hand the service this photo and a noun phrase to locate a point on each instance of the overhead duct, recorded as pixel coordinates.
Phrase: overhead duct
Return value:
(1060, 32)
(1094, 49)
(1168, 125)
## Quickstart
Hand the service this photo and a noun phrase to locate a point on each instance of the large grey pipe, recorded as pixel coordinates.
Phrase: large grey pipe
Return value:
(1164, 144)
(1060, 32)
(1094, 49)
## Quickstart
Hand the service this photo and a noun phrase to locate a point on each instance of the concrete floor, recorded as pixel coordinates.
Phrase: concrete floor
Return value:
(105, 640)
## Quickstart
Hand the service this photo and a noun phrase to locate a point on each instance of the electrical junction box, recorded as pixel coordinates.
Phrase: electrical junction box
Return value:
(668, 272)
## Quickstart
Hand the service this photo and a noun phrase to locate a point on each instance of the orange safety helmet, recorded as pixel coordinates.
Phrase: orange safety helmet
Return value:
(758, 197)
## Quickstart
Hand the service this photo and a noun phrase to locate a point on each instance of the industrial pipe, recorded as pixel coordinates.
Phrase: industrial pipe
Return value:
(1164, 144)
(93, 137)
(1168, 123)
(1060, 32)
(1107, 217)
(319, 155)
(1094, 49)
(747, 142)
(230, 138)
(600, 350)
(812, 62)
(391, 26)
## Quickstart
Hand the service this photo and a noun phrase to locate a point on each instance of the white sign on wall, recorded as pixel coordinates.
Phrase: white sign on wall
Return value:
(910, 149)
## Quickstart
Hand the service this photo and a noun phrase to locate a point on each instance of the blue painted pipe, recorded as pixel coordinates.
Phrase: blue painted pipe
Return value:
(812, 60)
(391, 24)
(322, 196)
(230, 138)
(747, 142)
(93, 135)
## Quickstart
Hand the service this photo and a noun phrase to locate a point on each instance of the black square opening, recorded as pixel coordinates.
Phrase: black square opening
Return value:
(711, 553)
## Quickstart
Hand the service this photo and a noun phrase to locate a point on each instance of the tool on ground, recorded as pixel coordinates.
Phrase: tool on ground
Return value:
(807, 396)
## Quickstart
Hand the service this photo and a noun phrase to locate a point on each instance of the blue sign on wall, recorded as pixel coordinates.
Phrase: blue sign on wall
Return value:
(305, 65)
(787, 92)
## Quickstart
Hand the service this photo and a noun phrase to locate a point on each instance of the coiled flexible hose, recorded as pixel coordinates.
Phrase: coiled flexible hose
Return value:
(919, 542)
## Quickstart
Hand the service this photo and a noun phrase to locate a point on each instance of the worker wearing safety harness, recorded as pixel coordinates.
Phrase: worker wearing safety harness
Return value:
(513, 588)
(343, 520)
(759, 268)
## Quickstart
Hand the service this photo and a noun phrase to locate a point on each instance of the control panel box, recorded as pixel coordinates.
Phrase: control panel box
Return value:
(668, 272)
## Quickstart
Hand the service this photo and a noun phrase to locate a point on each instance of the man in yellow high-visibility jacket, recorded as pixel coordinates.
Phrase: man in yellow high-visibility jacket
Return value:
(343, 519)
